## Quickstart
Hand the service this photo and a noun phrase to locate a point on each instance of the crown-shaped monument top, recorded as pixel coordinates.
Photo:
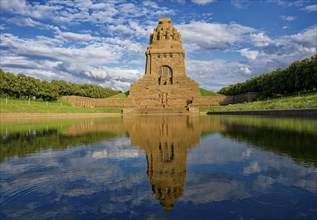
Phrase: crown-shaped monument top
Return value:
(165, 51)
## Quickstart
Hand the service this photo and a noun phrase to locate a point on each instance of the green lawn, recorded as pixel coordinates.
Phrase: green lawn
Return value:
(59, 106)
(291, 102)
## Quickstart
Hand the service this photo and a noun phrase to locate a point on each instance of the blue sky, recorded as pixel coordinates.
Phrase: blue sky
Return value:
(103, 42)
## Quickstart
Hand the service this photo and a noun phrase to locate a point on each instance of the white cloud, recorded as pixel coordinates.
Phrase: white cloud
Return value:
(117, 84)
(98, 73)
(268, 54)
(122, 29)
(91, 58)
(203, 2)
(215, 74)
(74, 37)
(2, 27)
(288, 18)
(307, 37)
(21, 7)
(212, 35)
(245, 70)
(250, 54)
(311, 8)
(179, 1)
(285, 49)
(13, 6)
(29, 22)
(127, 45)
(240, 3)
(260, 39)
(293, 3)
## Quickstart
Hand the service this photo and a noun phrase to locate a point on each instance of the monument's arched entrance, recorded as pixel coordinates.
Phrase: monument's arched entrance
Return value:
(165, 75)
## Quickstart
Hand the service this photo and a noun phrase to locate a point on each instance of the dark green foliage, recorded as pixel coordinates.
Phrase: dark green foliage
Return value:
(22, 86)
(127, 93)
(300, 76)
(298, 145)
(21, 144)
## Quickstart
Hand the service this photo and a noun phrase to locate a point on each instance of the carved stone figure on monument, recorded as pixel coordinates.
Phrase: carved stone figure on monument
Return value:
(154, 35)
(168, 34)
(177, 36)
(161, 34)
(164, 99)
(174, 33)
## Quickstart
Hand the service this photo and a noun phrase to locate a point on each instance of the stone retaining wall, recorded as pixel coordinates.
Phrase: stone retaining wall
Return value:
(146, 102)
(78, 101)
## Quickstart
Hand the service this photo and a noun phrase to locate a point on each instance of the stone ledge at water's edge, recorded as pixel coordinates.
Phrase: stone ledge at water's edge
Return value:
(283, 112)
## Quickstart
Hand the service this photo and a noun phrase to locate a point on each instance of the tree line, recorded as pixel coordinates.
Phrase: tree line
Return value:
(22, 87)
(299, 76)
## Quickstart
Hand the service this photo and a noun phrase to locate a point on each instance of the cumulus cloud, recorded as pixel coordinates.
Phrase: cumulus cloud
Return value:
(285, 49)
(73, 61)
(245, 70)
(250, 54)
(268, 54)
(215, 74)
(260, 39)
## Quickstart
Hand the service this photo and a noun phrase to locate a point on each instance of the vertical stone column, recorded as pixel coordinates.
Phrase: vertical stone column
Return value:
(147, 64)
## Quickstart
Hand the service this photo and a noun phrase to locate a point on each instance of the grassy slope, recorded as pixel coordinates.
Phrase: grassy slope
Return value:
(290, 102)
(62, 106)
(119, 95)
(59, 106)
(205, 92)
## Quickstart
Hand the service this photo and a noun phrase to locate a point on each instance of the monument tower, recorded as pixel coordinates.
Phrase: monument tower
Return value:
(165, 86)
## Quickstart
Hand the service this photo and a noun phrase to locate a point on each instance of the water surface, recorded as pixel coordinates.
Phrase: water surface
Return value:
(159, 167)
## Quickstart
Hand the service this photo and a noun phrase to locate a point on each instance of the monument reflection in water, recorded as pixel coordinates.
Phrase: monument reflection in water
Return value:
(159, 167)
(166, 141)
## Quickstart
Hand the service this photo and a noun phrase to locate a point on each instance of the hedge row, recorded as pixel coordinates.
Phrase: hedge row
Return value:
(297, 77)
(22, 86)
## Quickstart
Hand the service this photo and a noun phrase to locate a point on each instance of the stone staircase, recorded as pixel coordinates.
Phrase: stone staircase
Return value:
(157, 111)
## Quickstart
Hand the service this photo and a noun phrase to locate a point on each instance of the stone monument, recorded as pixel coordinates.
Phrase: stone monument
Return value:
(165, 86)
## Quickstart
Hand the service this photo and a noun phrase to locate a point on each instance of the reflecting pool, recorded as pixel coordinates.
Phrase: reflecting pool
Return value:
(159, 167)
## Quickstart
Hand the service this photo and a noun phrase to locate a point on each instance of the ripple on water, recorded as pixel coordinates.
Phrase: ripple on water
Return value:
(273, 203)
